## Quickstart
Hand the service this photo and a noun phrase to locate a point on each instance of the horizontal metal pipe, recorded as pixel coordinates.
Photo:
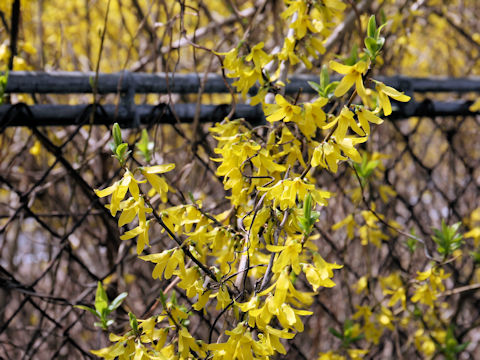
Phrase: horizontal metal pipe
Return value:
(60, 82)
(64, 115)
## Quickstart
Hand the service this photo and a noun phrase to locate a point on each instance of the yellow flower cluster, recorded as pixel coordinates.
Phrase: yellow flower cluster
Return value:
(268, 234)
(134, 206)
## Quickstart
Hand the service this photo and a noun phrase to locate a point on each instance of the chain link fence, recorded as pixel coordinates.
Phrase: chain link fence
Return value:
(57, 239)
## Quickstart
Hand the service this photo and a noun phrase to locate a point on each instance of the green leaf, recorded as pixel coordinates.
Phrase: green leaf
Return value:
(348, 327)
(303, 224)
(324, 77)
(92, 310)
(459, 348)
(412, 242)
(173, 298)
(309, 217)
(371, 45)
(331, 87)
(3, 85)
(163, 299)
(353, 58)
(91, 81)
(113, 147)
(307, 206)
(357, 338)
(4, 79)
(366, 167)
(335, 333)
(133, 322)
(101, 299)
(372, 26)
(316, 87)
(121, 150)
(98, 324)
(371, 165)
(145, 146)
(383, 16)
(447, 238)
(117, 134)
(476, 256)
(117, 301)
(380, 43)
(377, 33)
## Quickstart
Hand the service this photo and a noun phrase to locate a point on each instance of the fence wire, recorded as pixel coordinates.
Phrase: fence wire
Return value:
(58, 239)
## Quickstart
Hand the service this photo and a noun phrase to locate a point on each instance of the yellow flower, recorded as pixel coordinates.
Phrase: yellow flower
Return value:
(384, 92)
(424, 342)
(320, 273)
(186, 343)
(223, 298)
(119, 190)
(335, 4)
(282, 110)
(130, 208)
(357, 354)
(361, 285)
(330, 356)
(344, 121)
(288, 51)
(288, 317)
(302, 24)
(289, 255)
(157, 182)
(285, 193)
(247, 77)
(231, 60)
(273, 335)
(327, 155)
(317, 44)
(475, 106)
(353, 75)
(142, 232)
(427, 293)
(350, 224)
(161, 261)
(364, 117)
(347, 145)
(313, 117)
(36, 148)
(259, 57)
(385, 318)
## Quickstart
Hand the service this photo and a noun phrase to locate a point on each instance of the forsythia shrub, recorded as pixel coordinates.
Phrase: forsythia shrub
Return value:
(241, 281)
(267, 239)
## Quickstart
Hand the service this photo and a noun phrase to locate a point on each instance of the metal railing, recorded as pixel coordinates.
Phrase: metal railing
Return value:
(129, 114)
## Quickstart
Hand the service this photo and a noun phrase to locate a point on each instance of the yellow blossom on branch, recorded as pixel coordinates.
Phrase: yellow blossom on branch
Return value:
(288, 51)
(158, 182)
(364, 117)
(142, 232)
(119, 190)
(282, 110)
(286, 192)
(327, 155)
(313, 117)
(353, 75)
(384, 92)
(259, 57)
(343, 122)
